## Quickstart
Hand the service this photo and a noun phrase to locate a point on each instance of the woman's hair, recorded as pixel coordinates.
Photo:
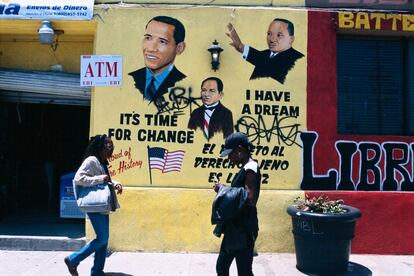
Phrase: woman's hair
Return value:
(95, 146)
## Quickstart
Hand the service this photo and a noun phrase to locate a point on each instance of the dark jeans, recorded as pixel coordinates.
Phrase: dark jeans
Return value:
(244, 260)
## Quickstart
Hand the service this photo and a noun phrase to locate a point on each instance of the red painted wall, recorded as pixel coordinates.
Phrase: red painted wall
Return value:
(321, 101)
(385, 226)
(322, 95)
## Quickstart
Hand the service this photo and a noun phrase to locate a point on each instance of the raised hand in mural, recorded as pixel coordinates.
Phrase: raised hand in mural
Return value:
(235, 39)
(278, 59)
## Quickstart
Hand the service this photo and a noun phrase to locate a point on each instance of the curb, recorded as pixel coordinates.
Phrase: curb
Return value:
(38, 243)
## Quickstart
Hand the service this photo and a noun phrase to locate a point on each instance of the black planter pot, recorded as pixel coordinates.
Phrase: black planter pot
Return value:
(323, 241)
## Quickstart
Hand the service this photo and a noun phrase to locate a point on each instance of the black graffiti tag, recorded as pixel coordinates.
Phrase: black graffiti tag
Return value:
(283, 128)
(178, 100)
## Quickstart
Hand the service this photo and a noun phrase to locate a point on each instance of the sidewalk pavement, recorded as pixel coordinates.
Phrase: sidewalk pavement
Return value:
(25, 263)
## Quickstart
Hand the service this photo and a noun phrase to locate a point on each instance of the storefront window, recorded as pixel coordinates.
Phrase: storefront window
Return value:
(375, 85)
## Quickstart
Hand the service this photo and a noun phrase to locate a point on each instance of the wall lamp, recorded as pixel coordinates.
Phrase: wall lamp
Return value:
(215, 51)
(47, 34)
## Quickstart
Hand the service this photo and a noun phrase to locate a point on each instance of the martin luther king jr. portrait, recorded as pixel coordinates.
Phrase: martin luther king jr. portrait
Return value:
(280, 57)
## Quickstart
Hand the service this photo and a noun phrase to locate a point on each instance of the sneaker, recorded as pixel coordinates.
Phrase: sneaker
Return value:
(71, 267)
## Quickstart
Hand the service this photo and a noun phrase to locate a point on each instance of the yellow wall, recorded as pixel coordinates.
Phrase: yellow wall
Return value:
(126, 27)
(154, 219)
(34, 56)
(178, 220)
(173, 213)
(20, 48)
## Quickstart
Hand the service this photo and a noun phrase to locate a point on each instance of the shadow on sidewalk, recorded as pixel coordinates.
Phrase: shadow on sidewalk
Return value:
(354, 269)
(358, 269)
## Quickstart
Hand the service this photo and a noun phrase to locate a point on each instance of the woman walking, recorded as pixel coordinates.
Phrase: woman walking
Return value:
(94, 171)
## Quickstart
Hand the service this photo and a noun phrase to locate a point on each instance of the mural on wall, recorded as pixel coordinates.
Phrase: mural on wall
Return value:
(212, 117)
(375, 21)
(363, 166)
(170, 124)
(356, 162)
(171, 115)
(163, 41)
(278, 59)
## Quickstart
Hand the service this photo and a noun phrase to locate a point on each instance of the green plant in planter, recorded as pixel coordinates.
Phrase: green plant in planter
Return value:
(321, 204)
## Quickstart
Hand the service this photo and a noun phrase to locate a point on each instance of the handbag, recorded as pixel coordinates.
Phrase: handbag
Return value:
(94, 199)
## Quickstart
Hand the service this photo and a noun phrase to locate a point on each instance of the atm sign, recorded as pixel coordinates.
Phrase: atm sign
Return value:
(101, 70)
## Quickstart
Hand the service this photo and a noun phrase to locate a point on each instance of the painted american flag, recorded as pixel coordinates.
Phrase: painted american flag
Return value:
(164, 160)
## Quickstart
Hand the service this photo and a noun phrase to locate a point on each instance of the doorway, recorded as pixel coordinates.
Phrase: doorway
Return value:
(38, 144)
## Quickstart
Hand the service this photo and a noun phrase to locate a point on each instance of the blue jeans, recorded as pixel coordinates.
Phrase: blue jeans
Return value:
(100, 223)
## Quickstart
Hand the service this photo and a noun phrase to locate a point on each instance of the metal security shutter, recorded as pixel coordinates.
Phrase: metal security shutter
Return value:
(42, 87)
(370, 86)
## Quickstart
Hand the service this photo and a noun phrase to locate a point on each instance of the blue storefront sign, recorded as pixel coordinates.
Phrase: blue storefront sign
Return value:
(47, 9)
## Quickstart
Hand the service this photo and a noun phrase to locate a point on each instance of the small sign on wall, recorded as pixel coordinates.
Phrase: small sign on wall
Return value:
(101, 70)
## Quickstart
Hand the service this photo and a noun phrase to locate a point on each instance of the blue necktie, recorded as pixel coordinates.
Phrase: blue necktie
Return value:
(151, 90)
